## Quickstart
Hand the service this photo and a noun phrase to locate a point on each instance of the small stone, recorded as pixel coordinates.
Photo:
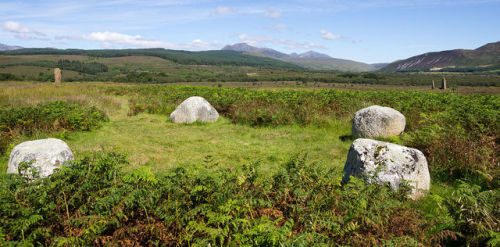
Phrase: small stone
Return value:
(194, 109)
(378, 121)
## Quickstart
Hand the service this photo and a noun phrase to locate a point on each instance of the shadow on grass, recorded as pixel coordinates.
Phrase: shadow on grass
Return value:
(346, 138)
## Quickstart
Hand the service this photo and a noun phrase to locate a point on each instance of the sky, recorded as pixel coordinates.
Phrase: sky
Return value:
(368, 31)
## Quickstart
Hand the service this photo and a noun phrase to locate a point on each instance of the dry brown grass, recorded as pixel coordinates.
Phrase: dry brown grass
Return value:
(16, 94)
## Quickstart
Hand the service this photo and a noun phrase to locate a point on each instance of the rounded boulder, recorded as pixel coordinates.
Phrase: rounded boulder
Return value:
(378, 121)
(381, 162)
(45, 155)
(194, 109)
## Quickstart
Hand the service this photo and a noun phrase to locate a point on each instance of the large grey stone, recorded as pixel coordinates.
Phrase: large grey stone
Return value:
(378, 121)
(46, 155)
(380, 162)
(194, 109)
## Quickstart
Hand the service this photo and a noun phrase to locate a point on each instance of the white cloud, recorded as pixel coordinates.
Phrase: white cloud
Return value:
(271, 12)
(328, 35)
(29, 37)
(224, 10)
(198, 44)
(113, 39)
(289, 44)
(20, 31)
(15, 27)
(278, 26)
(123, 39)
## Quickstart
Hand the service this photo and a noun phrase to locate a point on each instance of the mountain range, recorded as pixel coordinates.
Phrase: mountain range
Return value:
(4, 47)
(484, 58)
(310, 60)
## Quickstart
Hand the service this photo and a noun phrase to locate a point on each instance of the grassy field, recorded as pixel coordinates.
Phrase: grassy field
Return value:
(243, 179)
(153, 140)
(151, 67)
(23, 70)
(343, 86)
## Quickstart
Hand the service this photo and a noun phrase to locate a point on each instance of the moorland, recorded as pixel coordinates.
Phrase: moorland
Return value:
(267, 173)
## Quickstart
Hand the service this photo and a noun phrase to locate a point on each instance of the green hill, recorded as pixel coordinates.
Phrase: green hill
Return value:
(180, 57)
(328, 63)
(484, 58)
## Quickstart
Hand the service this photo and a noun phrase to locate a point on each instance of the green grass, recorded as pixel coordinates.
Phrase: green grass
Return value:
(186, 179)
(22, 70)
(154, 140)
(151, 139)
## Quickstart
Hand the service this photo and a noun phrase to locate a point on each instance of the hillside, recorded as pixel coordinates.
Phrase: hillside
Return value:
(4, 47)
(377, 66)
(328, 63)
(243, 47)
(484, 58)
(310, 54)
(310, 60)
(181, 57)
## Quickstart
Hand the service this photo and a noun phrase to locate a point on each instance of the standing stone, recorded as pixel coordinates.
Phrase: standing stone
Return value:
(443, 83)
(57, 76)
(378, 121)
(433, 85)
(46, 155)
(194, 109)
(382, 162)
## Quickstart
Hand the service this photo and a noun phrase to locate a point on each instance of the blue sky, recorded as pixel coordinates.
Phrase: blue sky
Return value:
(363, 30)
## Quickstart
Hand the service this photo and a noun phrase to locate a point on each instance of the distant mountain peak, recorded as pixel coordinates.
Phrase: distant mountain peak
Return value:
(310, 54)
(309, 59)
(244, 47)
(239, 46)
(4, 47)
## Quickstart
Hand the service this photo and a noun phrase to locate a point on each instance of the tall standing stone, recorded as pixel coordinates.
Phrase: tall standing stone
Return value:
(57, 76)
(433, 85)
(443, 83)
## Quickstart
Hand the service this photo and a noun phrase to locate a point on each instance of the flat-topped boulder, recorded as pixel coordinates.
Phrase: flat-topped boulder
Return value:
(194, 109)
(381, 162)
(378, 121)
(45, 155)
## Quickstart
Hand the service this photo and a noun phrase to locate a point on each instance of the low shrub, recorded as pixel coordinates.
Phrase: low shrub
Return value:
(46, 117)
(459, 135)
(93, 202)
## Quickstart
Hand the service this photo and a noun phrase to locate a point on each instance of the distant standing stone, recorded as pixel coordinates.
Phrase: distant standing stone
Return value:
(433, 85)
(194, 109)
(381, 162)
(443, 83)
(57, 76)
(46, 154)
(378, 121)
